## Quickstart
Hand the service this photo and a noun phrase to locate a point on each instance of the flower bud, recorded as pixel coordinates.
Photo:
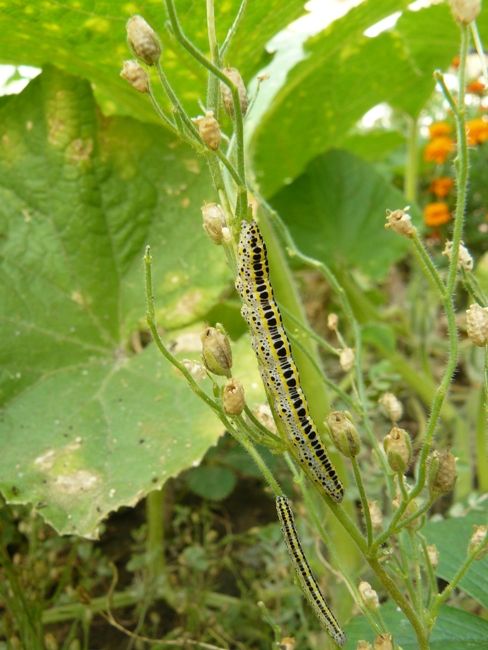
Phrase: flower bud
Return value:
(134, 73)
(233, 397)
(343, 433)
(477, 324)
(400, 222)
(464, 258)
(477, 537)
(376, 515)
(392, 406)
(209, 130)
(383, 641)
(195, 368)
(235, 77)
(398, 448)
(364, 645)
(369, 596)
(465, 11)
(213, 222)
(332, 321)
(443, 475)
(347, 359)
(143, 40)
(433, 554)
(216, 351)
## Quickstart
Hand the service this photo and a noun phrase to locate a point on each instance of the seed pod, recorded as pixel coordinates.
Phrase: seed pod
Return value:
(393, 407)
(135, 74)
(433, 556)
(383, 641)
(213, 222)
(233, 397)
(235, 77)
(477, 324)
(216, 351)
(445, 477)
(143, 40)
(347, 359)
(287, 643)
(209, 130)
(464, 258)
(376, 515)
(369, 596)
(398, 448)
(195, 368)
(465, 11)
(477, 537)
(364, 645)
(332, 321)
(263, 414)
(343, 433)
(400, 222)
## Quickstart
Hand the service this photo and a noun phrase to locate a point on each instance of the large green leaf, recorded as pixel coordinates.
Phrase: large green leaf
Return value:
(88, 425)
(336, 213)
(88, 38)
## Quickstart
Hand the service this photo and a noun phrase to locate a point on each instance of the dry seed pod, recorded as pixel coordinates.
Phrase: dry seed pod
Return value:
(233, 397)
(477, 324)
(235, 77)
(332, 321)
(364, 645)
(213, 222)
(263, 414)
(369, 596)
(400, 222)
(143, 40)
(209, 129)
(216, 351)
(393, 407)
(287, 643)
(346, 359)
(383, 641)
(343, 433)
(433, 556)
(398, 448)
(195, 368)
(376, 515)
(135, 74)
(476, 538)
(464, 259)
(444, 475)
(465, 11)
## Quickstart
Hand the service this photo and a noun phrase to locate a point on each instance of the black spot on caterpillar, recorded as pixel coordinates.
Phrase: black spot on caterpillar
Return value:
(276, 365)
(304, 572)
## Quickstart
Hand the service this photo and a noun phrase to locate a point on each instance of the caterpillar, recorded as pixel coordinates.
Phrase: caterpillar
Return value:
(276, 364)
(304, 572)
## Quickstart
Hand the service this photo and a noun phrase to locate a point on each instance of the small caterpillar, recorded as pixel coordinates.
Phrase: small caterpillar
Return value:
(277, 367)
(304, 572)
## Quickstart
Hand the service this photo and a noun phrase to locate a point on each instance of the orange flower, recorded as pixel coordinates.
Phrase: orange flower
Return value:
(441, 187)
(438, 129)
(455, 62)
(476, 87)
(477, 131)
(438, 149)
(436, 214)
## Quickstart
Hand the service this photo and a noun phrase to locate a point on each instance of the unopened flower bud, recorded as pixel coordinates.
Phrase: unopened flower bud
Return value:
(134, 73)
(195, 368)
(477, 324)
(233, 397)
(443, 474)
(477, 537)
(376, 515)
(369, 596)
(465, 11)
(398, 448)
(433, 554)
(143, 40)
(383, 641)
(400, 222)
(263, 414)
(464, 258)
(213, 222)
(332, 321)
(392, 406)
(209, 129)
(216, 351)
(346, 359)
(343, 433)
(235, 77)
(364, 645)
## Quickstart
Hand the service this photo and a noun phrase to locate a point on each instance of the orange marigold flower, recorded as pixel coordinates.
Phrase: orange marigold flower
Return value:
(438, 149)
(476, 87)
(441, 187)
(436, 214)
(438, 129)
(477, 131)
(455, 62)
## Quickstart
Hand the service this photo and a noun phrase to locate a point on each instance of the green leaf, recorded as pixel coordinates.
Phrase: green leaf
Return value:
(336, 213)
(211, 482)
(88, 38)
(451, 537)
(88, 425)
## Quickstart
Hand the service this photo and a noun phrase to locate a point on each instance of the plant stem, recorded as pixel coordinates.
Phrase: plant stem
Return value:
(364, 500)
(411, 169)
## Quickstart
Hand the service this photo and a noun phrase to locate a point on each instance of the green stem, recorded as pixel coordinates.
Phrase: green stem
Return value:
(364, 500)
(232, 31)
(411, 169)
(430, 569)
(418, 578)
